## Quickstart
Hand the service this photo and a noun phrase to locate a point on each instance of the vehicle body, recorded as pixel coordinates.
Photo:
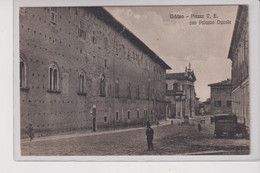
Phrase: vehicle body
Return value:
(225, 124)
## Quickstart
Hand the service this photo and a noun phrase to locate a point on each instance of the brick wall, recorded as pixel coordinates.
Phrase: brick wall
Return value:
(103, 52)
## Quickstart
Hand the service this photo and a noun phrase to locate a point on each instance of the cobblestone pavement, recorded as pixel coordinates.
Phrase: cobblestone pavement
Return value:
(168, 140)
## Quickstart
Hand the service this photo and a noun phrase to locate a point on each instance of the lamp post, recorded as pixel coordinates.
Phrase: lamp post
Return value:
(148, 98)
(113, 78)
(94, 112)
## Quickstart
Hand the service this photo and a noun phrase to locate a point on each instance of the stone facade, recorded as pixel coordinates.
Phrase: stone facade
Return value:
(207, 107)
(239, 55)
(220, 96)
(80, 69)
(180, 94)
(197, 106)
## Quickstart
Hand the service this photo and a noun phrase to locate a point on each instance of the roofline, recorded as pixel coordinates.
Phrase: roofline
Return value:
(167, 74)
(235, 30)
(220, 85)
(216, 84)
(116, 25)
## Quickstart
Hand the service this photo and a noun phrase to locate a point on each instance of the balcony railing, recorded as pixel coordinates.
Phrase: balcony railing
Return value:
(174, 93)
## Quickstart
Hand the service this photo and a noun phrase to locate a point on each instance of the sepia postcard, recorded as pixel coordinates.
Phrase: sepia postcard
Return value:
(142, 81)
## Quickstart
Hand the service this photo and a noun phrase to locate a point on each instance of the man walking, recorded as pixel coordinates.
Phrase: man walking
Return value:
(149, 136)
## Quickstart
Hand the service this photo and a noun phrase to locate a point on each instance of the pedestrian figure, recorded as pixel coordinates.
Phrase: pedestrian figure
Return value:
(199, 127)
(30, 131)
(149, 136)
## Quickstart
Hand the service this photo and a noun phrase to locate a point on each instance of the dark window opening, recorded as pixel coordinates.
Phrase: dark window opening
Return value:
(81, 30)
(117, 116)
(137, 92)
(53, 78)
(22, 75)
(82, 82)
(129, 90)
(102, 86)
(117, 88)
(175, 86)
(229, 103)
(217, 103)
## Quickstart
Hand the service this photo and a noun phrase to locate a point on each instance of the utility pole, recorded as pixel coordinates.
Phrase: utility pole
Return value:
(190, 102)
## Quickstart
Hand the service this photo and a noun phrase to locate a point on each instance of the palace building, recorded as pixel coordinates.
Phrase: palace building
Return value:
(81, 69)
(180, 94)
(239, 55)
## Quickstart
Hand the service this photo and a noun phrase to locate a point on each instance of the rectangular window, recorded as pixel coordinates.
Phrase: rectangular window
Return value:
(116, 47)
(106, 43)
(105, 119)
(229, 103)
(128, 54)
(105, 63)
(217, 103)
(128, 115)
(137, 113)
(54, 15)
(81, 30)
(117, 88)
(117, 116)
(137, 92)
(175, 87)
(94, 39)
(167, 87)
(148, 93)
(145, 113)
(129, 90)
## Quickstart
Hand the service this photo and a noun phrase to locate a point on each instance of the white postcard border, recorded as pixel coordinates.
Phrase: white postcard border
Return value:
(254, 81)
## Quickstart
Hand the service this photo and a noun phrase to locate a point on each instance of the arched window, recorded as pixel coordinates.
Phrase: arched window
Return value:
(148, 92)
(117, 88)
(129, 90)
(137, 92)
(82, 83)
(53, 77)
(102, 85)
(22, 73)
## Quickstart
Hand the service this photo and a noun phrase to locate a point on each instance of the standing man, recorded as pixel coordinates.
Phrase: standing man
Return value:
(149, 136)
(30, 131)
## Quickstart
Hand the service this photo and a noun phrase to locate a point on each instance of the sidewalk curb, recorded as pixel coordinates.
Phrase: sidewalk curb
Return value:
(66, 136)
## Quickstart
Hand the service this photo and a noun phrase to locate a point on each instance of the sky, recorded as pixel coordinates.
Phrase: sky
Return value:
(177, 42)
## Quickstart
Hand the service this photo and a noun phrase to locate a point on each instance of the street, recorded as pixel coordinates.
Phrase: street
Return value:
(168, 140)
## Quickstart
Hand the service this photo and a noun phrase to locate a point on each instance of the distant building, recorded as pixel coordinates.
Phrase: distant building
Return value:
(220, 96)
(80, 69)
(238, 54)
(181, 94)
(207, 107)
(197, 106)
